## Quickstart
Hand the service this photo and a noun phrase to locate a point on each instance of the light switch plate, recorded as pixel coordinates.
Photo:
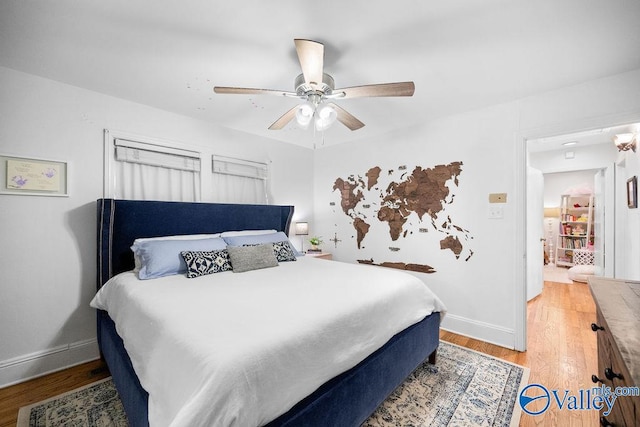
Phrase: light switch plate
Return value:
(498, 198)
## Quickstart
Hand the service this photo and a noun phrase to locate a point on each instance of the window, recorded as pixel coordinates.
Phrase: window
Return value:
(239, 181)
(140, 170)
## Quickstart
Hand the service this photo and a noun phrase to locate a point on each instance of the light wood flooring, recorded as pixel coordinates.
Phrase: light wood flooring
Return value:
(561, 355)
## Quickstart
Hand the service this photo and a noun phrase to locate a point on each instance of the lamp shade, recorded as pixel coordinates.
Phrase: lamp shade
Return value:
(623, 138)
(325, 116)
(302, 228)
(304, 114)
(551, 212)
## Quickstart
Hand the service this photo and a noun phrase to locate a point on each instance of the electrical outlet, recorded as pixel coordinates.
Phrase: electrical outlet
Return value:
(496, 212)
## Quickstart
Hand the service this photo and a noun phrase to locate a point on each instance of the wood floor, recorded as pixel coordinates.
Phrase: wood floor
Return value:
(561, 355)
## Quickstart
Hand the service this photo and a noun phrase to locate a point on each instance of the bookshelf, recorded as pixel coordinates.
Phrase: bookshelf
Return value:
(576, 227)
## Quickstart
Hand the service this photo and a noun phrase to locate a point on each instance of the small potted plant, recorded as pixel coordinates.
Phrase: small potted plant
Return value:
(315, 242)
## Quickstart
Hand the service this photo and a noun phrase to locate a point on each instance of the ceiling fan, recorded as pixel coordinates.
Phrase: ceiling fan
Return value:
(317, 89)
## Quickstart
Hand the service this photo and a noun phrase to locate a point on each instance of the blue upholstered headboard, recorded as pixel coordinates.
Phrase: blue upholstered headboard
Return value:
(120, 222)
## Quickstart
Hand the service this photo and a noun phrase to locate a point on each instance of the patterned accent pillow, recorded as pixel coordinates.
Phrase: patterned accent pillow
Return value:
(283, 251)
(201, 263)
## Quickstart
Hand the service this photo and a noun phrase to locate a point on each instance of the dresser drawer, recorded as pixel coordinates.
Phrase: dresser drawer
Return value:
(613, 373)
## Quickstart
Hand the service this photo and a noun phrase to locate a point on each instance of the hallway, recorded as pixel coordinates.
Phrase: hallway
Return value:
(553, 273)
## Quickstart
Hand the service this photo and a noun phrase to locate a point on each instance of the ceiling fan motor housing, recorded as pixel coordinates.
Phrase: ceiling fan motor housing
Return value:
(324, 88)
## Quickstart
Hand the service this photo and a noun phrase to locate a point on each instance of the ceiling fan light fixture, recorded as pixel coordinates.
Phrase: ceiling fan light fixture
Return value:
(625, 141)
(325, 117)
(304, 114)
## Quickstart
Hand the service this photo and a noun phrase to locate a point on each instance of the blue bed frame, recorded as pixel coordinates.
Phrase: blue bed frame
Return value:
(346, 400)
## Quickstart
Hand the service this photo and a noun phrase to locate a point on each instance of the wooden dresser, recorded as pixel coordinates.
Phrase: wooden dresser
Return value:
(618, 328)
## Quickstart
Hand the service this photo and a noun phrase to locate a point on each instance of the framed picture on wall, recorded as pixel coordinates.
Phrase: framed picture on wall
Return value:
(29, 176)
(632, 192)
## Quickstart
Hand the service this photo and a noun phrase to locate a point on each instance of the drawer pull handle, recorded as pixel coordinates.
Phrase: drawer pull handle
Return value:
(595, 379)
(605, 423)
(608, 372)
(596, 328)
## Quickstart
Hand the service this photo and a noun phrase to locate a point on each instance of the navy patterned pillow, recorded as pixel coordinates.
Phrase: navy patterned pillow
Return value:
(201, 263)
(283, 251)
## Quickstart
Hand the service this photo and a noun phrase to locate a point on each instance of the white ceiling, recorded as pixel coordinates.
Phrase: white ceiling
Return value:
(575, 140)
(461, 54)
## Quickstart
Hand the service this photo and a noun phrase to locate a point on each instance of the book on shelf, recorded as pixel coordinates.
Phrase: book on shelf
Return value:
(571, 242)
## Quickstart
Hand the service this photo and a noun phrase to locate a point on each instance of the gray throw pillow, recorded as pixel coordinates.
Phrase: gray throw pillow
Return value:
(247, 258)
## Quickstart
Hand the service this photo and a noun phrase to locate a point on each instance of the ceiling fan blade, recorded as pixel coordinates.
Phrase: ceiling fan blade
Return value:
(311, 57)
(284, 119)
(383, 89)
(251, 91)
(346, 118)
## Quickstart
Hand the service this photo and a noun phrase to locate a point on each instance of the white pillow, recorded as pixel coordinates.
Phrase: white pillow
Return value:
(246, 233)
(581, 273)
(136, 244)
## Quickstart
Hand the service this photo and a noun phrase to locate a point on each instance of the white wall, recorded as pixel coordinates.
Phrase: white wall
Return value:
(482, 293)
(627, 229)
(486, 149)
(589, 157)
(48, 255)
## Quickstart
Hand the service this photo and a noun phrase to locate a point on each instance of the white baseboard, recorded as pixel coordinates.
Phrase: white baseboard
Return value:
(479, 330)
(28, 366)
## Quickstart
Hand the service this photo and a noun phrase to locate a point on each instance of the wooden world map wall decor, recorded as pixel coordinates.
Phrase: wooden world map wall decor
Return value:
(393, 197)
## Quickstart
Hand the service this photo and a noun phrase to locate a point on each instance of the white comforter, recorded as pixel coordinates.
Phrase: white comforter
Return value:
(240, 349)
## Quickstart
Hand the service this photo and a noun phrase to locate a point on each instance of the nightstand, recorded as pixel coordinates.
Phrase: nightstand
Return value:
(321, 255)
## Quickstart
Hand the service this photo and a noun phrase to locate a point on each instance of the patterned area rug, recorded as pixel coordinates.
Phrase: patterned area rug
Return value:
(94, 405)
(464, 388)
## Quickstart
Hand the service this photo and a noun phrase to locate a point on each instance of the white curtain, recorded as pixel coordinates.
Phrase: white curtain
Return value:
(151, 172)
(239, 181)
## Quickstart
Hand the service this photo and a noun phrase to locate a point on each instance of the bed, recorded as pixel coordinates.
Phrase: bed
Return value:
(346, 399)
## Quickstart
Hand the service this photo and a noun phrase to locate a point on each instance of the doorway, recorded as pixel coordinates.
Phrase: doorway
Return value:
(592, 150)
